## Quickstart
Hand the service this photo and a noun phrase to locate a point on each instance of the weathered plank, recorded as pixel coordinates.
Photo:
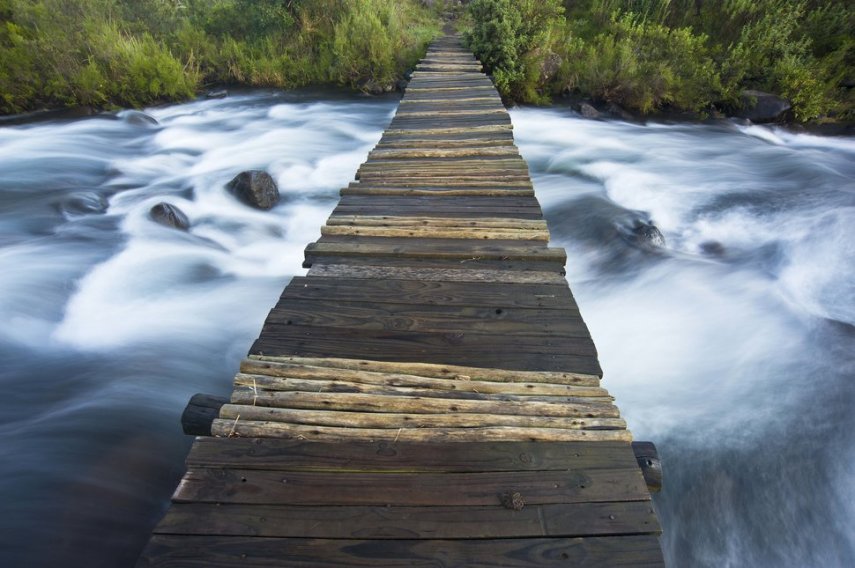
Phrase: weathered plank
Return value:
(397, 523)
(301, 455)
(255, 552)
(252, 486)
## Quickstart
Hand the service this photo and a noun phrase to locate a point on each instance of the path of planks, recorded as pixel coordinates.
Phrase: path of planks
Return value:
(428, 395)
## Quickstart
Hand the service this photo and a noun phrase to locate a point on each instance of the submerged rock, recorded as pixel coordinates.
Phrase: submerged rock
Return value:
(255, 188)
(138, 118)
(758, 106)
(84, 202)
(217, 94)
(646, 233)
(169, 215)
(712, 248)
(588, 111)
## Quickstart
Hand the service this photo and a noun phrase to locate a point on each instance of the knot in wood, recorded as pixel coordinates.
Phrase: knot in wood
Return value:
(512, 500)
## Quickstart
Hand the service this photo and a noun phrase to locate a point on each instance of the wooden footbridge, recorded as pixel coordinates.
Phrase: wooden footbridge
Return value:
(428, 395)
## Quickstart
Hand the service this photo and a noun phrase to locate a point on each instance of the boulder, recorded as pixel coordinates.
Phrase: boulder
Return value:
(169, 215)
(618, 111)
(137, 118)
(588, 111)
(255, 188)
(759, 107)
(401, 85)
(646, 233)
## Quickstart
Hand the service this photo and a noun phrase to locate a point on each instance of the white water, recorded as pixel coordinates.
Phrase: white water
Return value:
(731, 347)
(737, 359)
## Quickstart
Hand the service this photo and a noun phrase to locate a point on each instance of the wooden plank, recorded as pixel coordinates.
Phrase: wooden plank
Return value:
(391, 221)
(497, 296)
(396, 523)
(336, 312)
(263, 487)
(301, 455)
(255, 552)
(443, 251)
(427, 274)
(453, 348)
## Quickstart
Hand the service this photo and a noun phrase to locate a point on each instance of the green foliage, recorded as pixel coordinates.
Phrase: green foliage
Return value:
(683, 54)
(511, 38)
(138, 52)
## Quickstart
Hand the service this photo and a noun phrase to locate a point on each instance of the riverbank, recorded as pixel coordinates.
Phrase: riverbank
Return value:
(109, 54)
(765, 60)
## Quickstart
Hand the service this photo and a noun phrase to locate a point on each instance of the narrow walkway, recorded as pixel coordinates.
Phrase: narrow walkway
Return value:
(428, 395)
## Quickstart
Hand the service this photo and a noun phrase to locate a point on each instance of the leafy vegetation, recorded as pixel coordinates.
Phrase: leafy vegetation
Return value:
(135, 52)
(692, 55)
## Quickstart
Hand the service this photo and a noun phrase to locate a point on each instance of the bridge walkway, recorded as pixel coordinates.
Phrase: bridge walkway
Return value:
(428, 394)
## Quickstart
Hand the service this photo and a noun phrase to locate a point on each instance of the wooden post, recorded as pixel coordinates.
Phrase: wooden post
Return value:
(200, 413)
(648, 460)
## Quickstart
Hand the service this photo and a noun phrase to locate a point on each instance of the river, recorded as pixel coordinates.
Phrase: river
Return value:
(728, 342)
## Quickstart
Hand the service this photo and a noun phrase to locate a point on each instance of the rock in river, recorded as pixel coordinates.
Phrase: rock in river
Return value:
(170, 216)
(256, 188)
(758, 106)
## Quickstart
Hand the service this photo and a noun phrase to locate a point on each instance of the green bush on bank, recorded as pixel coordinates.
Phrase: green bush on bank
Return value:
(648, 55)
(135, 52)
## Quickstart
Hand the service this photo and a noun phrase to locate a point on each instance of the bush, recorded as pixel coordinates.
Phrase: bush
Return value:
(511, 38)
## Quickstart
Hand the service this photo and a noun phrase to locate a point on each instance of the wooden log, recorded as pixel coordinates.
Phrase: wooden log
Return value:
(261, 383)
(357, 402)
(439, 371)
(239, 427)
(253, 369)
(200, 413)
(436, 233)
(651, 467)
(363, 190)
(244, 413)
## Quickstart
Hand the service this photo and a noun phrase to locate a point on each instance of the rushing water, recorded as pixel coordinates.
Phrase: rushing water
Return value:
(730, 346)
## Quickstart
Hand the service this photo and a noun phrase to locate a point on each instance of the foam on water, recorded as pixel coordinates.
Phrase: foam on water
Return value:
(112, 321)
(730, 347)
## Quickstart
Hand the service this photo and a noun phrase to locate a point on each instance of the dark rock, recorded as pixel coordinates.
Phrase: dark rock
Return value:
(372, 87)
(712, 248)
(169, 215)
(646, 233)
(256, 188)
(217, 94)
(137, 118)
(618, 111)
(588, 111)
(759, 107)
(401, 85)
